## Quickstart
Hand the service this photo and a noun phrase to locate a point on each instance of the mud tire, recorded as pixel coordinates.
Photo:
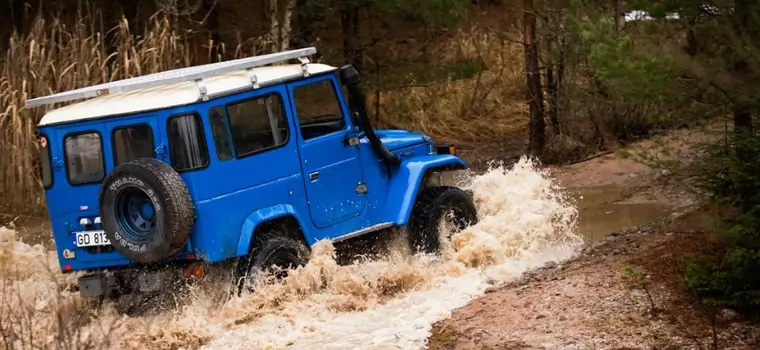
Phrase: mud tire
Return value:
(279, 251)
(158, 186)
(431, 206)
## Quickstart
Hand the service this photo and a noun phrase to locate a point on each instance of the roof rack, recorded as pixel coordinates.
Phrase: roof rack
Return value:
(195, 73)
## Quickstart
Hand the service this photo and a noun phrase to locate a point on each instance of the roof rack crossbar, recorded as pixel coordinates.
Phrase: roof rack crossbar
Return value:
(189, 74)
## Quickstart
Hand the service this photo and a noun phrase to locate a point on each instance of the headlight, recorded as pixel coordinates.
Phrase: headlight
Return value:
(446, 148)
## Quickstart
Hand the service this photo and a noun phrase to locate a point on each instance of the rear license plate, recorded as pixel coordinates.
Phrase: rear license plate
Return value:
(92, 238)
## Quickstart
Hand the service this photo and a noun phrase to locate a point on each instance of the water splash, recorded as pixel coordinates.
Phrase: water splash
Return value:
(525, 222)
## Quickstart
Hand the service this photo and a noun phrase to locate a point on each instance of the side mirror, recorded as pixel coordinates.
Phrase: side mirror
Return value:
(349, 75)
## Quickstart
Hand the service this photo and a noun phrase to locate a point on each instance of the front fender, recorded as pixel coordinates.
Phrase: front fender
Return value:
(263, 215)
(405, 184)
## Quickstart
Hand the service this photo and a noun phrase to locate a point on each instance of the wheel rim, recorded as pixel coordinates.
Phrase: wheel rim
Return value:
(453, 214)
(279, 262)
(136, 215)
(276, 264)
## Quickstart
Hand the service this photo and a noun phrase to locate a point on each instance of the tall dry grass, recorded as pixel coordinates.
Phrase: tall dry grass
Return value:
(487, 109)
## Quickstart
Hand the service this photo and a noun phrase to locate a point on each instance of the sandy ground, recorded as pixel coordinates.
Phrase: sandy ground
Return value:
(623, 292)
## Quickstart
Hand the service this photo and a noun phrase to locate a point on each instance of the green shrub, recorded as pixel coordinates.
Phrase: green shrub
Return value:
(731, 277)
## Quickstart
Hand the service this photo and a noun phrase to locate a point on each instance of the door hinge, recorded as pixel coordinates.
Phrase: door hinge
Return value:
(161, 151)
(361, 188)
(57, 163)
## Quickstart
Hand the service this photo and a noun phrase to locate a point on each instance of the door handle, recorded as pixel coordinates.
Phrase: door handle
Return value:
(313, 175)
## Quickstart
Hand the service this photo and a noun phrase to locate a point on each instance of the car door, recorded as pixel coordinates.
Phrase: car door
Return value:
(331, 164)
(79, 167)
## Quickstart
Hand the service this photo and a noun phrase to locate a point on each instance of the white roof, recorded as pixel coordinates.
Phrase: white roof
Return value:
(177, 94)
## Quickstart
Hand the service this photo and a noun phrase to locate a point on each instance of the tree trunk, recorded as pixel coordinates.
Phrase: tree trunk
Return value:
(559, 103)
(274, 25)
(741, 70)
(555, 65)
(216, 47)
(309, 17)
(349, 20)
(17, 14)
(285, 29)
(551, 89)
(537, 139)
(692, 45)
(110, 16)
(742, 111)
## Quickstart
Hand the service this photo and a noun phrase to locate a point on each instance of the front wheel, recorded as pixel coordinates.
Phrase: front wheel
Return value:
(435, 206)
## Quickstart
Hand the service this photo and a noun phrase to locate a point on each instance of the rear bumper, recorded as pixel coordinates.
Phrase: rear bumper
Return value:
(112, 284)
(105, 284)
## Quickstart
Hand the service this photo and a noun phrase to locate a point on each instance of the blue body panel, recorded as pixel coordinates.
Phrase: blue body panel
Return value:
(234, 196)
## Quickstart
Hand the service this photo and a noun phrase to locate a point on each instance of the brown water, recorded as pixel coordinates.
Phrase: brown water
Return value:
(604, 209)
(390, 302)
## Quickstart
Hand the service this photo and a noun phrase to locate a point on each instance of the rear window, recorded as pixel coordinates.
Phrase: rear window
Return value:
(187, 145)
(131, 143)
(84, 158)
(46, 171)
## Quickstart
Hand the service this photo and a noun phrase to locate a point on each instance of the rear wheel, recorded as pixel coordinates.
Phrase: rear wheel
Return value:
(436, 206)
(271, 257)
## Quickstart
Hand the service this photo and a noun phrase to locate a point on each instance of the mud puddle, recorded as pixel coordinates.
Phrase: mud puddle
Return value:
(606, 209)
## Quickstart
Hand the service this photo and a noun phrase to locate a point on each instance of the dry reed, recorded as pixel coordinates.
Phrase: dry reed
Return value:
(487, 109)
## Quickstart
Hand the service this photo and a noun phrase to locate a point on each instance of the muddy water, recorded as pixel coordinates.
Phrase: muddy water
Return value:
(605, 209)
(601, 209)
(389, 302)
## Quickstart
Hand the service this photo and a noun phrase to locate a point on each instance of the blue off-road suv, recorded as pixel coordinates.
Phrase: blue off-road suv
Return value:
(249, 161)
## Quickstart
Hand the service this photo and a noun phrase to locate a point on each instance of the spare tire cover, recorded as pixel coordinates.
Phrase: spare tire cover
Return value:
(146, 210)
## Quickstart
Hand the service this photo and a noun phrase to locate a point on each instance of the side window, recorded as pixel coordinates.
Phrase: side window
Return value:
(46, 170)
(258, 124)
(319, 112)
(132, 142)
(84, 158)
(187, 145)
(222, 141)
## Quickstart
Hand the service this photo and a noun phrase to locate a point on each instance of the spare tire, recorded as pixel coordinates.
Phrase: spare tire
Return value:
(146, 210)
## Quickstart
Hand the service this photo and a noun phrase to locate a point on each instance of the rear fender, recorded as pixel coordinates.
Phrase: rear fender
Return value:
(406, 183)
(263, 215)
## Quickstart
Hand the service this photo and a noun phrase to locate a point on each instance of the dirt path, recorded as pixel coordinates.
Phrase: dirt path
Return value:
(623, 292)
